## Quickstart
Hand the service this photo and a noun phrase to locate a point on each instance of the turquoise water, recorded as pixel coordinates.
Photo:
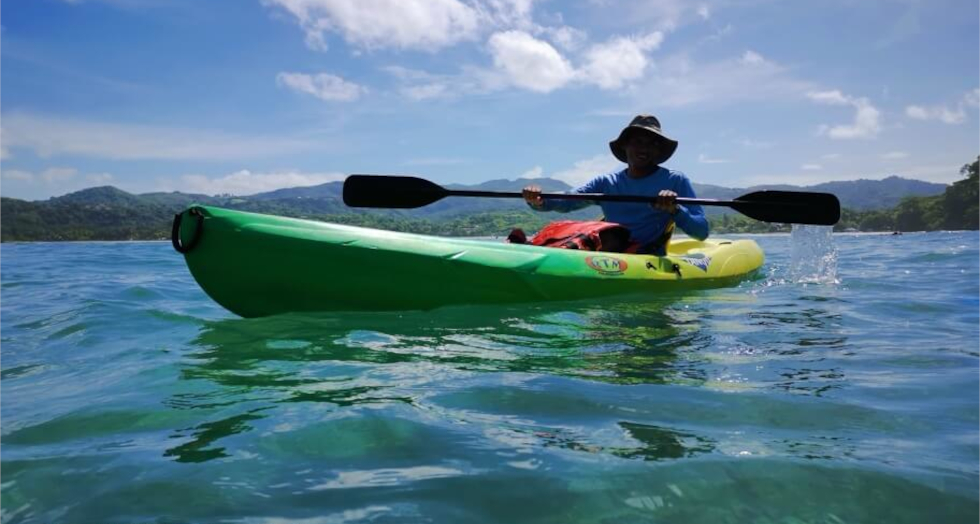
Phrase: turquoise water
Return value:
(835, 389)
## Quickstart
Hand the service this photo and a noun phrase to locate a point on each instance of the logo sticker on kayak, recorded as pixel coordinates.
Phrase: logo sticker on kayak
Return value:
(698, 260)
(607, 265)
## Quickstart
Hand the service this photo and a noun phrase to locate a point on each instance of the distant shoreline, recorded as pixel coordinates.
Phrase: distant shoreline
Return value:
(775, 233)
(107, 213)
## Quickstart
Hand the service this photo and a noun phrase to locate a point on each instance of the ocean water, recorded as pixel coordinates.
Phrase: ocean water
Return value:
(839, 387)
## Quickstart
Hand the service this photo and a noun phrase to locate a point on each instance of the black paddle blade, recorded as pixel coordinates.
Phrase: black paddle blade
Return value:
(400, 192)
(790, 207)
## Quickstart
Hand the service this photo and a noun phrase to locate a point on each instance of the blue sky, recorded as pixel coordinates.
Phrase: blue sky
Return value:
(252, 95)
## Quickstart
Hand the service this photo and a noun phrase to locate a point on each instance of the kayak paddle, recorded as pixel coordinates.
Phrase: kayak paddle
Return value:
(406, 192)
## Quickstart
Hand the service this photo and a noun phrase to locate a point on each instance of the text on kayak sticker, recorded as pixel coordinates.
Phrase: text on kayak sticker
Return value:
(698, 260)
(607, 265)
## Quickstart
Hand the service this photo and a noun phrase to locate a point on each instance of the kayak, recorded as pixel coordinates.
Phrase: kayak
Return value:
(257, 265)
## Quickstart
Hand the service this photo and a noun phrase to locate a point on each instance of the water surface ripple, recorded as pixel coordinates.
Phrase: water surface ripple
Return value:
(129, 396)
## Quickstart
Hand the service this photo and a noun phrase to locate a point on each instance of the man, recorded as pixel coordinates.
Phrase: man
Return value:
(643, 147)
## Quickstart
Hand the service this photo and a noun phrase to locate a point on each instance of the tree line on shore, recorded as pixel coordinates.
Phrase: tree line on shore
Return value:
(955, 209)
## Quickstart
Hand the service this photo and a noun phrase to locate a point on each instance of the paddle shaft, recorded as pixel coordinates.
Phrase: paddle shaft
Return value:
(595, 197)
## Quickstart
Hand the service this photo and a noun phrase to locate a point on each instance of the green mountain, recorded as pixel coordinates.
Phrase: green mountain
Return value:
(108, 213)
(104, 195)
(853, 194)
(878, 194)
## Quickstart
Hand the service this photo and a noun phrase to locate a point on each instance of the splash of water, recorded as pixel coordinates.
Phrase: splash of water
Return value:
(814, 255)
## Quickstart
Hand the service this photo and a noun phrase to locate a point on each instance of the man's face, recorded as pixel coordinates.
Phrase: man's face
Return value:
(641, 149)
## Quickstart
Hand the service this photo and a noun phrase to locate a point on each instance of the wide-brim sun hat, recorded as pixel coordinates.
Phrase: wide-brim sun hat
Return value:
(644, 124)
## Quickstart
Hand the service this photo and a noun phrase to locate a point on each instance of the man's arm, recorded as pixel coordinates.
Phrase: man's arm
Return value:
(596, 185)
(690, 217)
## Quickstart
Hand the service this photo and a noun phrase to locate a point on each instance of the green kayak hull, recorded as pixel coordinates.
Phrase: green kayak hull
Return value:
(257, 265)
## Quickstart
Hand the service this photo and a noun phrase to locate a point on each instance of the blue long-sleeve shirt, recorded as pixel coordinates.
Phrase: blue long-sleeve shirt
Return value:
(645, 223)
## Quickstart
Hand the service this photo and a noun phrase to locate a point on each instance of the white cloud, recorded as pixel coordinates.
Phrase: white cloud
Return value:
(618, 61)
(831, 156)
(49, 181)
(506, 13)
(99, 178)
(52, 176)
(811, 167)
(800, 178)
(972, 98)
(834, 97)
(704, 12)
(245, 182)
(705, 159)
(866, 123)
(17, 174)
(945, 174)
(420, 85)
(527, 62)
(54, 136)
(434, 161)
(567, 38)
(752, 58)
(4, 152)
(405, 24)
(534, 172)
(426, 91)
(866, 118)
(663, 15)
(944, 114)
(749, 77)
(585, 170)
(906, 27)
(58, 175)
(755, 144)
(917, 112)
(322, 85)
(530, 63)
(894, 155)
(941, 113)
